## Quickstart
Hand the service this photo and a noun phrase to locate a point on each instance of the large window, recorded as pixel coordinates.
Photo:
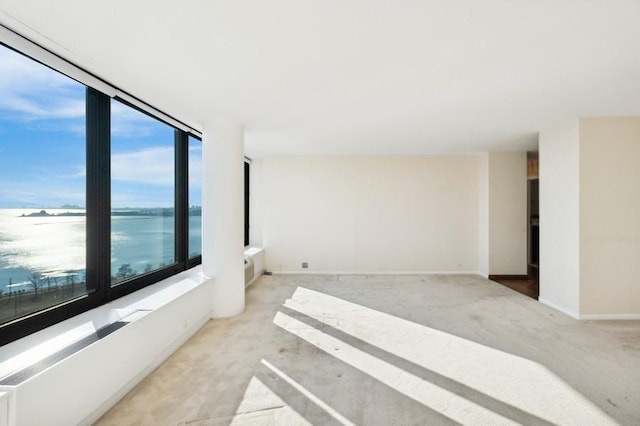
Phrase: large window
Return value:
(42, 187)
(195, 197)
(97, 198)
(142, 193)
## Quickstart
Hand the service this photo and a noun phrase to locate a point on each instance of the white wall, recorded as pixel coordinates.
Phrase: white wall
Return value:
(507, 213)
(377, 214)
(589, 210)
(483, 214)
(559, 214)
(609, 216)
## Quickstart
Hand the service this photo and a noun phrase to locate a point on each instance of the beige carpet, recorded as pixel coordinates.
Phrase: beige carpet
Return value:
(394, 350)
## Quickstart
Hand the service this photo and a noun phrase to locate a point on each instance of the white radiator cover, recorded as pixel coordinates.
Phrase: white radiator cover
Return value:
(254, 264)
(5, 400)
(83, 386)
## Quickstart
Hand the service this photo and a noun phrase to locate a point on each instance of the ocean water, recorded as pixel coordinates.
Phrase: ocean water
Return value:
(54, 246)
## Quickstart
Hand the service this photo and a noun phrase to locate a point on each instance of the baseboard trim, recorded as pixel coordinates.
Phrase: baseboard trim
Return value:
(376, 273)
(508, 277)
(592, 317)
(626, 317)
(559, 308)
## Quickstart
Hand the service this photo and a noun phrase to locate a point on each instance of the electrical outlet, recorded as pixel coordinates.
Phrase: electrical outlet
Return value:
(305, 265)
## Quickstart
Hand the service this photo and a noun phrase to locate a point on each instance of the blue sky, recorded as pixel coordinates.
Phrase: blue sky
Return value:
(42, 144)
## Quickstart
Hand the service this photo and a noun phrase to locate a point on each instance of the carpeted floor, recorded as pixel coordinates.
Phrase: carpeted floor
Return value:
(394, 350)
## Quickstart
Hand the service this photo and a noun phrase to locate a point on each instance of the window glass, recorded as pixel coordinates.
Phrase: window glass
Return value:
(195, 197)
(142, 193)
(42, 187)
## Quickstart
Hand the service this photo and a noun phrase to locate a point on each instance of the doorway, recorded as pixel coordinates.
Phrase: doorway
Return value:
(528, 284)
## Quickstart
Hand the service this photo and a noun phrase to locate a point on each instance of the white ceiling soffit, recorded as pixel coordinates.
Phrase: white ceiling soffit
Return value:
(368, 77)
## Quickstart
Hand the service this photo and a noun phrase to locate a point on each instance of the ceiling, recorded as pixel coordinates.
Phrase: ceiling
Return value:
(356, 77)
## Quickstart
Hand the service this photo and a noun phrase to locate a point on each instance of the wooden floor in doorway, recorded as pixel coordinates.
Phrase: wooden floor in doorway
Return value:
(522, 284)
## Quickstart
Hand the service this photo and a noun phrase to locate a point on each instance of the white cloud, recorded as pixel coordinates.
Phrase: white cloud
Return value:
(39, 195)
(31, 91)
(121, 200)
(24, 195)
(195, 166)
(32, 109)
(151, 166)
(130, 123)
(76, 173)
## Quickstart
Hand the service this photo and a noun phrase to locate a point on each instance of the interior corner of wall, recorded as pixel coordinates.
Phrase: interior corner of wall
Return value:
(557, 307)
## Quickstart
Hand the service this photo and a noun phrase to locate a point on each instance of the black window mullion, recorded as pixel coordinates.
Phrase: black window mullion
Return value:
(247, 175)
(181, 197)
(98, 194)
